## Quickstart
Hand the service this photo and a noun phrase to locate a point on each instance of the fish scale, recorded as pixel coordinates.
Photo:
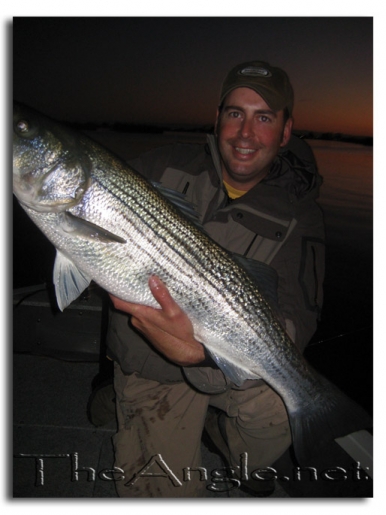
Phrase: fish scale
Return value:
(110, 225)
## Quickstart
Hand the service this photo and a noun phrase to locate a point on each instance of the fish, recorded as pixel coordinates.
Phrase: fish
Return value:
(112, 226)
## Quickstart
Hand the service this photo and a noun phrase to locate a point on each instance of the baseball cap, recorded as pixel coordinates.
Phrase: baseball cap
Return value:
(270, 82)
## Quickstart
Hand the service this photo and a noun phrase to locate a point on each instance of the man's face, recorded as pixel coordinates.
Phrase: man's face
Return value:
(250, 135)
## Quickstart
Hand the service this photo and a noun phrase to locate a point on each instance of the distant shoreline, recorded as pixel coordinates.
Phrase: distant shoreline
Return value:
(207, 129)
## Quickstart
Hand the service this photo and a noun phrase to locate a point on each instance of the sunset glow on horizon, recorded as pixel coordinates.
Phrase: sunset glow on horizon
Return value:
(157, 71)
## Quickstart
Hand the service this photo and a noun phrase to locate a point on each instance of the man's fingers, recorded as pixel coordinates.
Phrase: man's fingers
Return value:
(161, 294)
(168, 329)
(122, 305)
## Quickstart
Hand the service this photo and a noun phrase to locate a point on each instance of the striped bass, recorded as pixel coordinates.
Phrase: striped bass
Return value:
(110, 225)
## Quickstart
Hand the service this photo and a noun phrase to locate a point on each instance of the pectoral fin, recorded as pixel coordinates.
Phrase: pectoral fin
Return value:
(87, 230)
(69, 281)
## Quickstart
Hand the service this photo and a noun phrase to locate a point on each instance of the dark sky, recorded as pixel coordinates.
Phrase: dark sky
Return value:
(169, 70)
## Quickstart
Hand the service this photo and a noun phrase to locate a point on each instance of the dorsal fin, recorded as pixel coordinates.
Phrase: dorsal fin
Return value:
(264, 276)
(179, 200)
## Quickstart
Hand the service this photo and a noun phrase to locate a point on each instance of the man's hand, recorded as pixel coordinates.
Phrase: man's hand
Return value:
(168, 329)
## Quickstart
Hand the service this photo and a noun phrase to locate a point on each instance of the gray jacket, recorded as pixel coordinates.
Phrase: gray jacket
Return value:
(278, 223)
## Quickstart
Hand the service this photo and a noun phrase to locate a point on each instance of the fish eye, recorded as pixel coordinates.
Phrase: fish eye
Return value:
(22, 126)
(25, 128)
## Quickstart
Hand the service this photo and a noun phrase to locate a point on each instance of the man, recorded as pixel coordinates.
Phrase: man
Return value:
(254, 188)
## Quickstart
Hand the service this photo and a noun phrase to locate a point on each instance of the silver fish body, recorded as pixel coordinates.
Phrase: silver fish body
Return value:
(110, 225)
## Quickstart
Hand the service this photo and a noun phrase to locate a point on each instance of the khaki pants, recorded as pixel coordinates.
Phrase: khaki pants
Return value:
(158, 442)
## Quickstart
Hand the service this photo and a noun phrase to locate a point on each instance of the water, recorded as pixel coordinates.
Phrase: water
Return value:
(347, 202)
(342, 345)
(342, 348)
(347, 192)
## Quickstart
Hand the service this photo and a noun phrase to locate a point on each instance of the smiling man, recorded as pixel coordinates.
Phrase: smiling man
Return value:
(249, 136)
(254, 188)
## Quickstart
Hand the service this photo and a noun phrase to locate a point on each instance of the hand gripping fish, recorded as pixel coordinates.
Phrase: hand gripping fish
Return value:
(110, 225)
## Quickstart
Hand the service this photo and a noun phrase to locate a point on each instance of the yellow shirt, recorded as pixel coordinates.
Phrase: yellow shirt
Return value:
(232, 192)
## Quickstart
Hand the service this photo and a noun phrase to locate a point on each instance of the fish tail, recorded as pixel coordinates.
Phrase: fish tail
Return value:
(331, 415)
